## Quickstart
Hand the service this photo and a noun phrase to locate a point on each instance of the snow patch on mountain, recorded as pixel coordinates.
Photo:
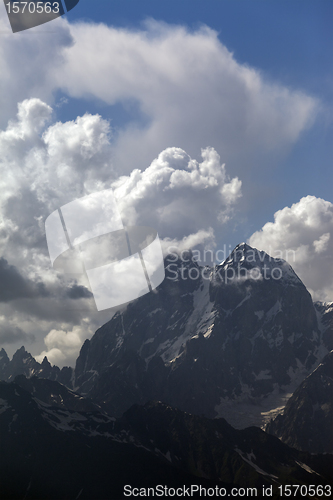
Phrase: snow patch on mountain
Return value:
(263, 375)
(201, 321)
(273, 311)
(244, 412)
(248, 458)
(259, 314)
(4, 406)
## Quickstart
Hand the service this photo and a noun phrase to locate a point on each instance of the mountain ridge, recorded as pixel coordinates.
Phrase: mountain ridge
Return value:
(87, 454)
(197, 342)
(234, 340)
(23, 363)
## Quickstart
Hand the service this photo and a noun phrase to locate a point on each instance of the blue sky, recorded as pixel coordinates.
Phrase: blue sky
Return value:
(152, 103)
(291, 40)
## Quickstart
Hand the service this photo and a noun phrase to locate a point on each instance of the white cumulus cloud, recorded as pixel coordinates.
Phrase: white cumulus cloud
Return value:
(178, 195)
(62, 345)
(302, 235)
(45, 165)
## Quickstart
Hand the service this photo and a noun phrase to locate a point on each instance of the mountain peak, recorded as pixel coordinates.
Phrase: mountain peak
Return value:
(242, 245)
(45, 362)
(3, 354)
(246, 262)
(4, 360)
(21, 353)
(250, 253)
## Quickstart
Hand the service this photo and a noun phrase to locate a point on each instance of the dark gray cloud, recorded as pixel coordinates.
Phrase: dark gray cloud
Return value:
(76, 292)
(15, 286)
(12, 334)
(12, 284)
(24, 210)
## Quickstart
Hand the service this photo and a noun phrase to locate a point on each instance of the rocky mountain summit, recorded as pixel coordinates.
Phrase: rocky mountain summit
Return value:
(325, 322)
(232, 341)
(23, 363)
(243, 332)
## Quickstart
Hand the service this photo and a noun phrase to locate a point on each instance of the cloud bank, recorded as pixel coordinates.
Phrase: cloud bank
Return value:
(45, 165)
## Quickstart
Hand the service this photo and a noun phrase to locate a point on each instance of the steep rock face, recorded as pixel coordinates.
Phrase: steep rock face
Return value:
(4, 360)
(23, 363)
(307, 420)
(325, 322)
(238, 332)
